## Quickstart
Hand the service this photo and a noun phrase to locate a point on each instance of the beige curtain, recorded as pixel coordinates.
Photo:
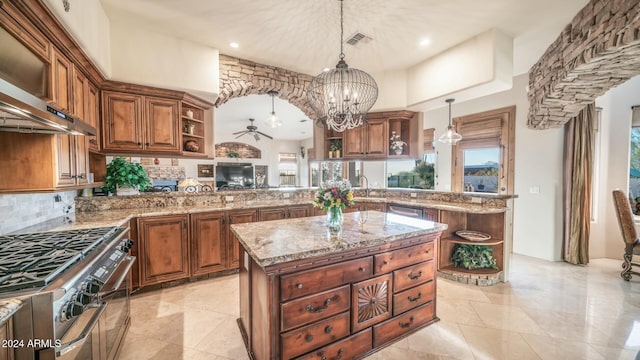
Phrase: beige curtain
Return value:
(578, 169)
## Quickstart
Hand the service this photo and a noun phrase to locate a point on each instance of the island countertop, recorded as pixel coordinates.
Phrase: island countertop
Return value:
(280, 241)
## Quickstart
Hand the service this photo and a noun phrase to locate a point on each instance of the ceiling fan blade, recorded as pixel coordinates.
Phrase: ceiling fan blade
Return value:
(244, 132)
(265, 135)
(239, 132)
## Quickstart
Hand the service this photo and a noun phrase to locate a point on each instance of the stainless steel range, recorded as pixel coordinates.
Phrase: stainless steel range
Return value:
(76, 284)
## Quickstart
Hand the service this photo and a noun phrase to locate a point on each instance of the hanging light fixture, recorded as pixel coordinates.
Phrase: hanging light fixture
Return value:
(450, 136)
(273, 121)
(342, 97)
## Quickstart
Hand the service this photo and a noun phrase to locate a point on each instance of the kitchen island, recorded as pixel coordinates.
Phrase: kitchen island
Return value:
(306, 293)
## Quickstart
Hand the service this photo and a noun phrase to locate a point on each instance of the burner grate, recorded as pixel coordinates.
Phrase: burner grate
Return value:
(34, 260)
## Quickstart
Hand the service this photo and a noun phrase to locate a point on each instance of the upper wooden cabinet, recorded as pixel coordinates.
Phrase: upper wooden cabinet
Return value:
(61, 81)
(368, 141)
(136, 123)
(92, 116)
(372, 140)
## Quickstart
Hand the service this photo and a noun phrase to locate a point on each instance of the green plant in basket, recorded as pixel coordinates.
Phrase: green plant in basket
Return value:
(473, 257)
(123, 173)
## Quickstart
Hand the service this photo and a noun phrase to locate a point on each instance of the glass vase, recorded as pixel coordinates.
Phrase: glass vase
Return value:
(334, 217)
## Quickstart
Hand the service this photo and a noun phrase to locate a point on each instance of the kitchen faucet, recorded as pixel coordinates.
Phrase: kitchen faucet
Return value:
(366, 189)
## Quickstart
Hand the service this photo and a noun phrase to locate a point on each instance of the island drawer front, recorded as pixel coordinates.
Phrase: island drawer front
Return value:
(398, 259)
(412, 298)
(393, 328)
(314, 307)
(300, 341)
(348, 348)
(413, 275)
(326, 277)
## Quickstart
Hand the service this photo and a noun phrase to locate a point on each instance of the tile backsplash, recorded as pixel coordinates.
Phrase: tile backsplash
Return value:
(18, 211)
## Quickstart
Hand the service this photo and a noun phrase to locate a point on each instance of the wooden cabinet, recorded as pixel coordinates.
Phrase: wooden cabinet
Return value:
(92, 115)
(193, 129)
(208, 243)
(237, 217)
(279, 213)
(338, 310)
(72, 160)
(135, 123)
(164, 249)
(61, 80)
(430, 214)
(382, 207)
(368, 141)
(6, 334)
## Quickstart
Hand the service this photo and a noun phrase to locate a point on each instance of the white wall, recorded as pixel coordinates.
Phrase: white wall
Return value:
(606, 239)
(144, 57)
(538, 162)
(89, 25)
(392, 90)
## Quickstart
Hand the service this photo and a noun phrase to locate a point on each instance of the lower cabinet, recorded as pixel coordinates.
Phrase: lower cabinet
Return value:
(288, 212)
(6, 352)
(163, 249)
(237, 217)
(208, 243)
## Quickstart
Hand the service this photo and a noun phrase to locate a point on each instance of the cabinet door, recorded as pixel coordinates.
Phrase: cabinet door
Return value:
(376, 139)
(81, 155)
(208, 245)
(80, 88)
(6, 352)
(237, 217)
(65, 161)
(353, 143)
(92, 114)
(61, 80)
(121, 121)
(272, 214)
(299, 211)
(164, 249)
(162, 125)
(430, 214)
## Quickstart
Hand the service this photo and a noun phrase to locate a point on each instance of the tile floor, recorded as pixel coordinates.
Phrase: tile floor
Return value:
(549, 310)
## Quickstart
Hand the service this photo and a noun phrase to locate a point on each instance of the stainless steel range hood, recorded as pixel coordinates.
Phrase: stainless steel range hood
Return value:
(20, 110)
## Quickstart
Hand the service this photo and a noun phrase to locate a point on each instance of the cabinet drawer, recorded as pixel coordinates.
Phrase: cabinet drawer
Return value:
(311, 337)
(348, 348)
(407, 322)
(326, 277)
(413, 275)
(412, 298)
(404, 257)
(314, 307)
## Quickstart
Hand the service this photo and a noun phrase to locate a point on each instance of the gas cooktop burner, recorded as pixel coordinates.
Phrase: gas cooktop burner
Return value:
(34, 260)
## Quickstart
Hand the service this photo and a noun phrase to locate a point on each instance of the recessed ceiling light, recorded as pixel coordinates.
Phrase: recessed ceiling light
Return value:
(234, 45)
(326, 69)
(425, 42)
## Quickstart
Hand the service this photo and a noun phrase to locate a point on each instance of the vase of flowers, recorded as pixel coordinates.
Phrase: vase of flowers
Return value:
(332, 197)
(397, 145)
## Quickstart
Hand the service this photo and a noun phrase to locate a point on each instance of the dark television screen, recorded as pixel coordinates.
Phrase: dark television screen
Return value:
(234, 175)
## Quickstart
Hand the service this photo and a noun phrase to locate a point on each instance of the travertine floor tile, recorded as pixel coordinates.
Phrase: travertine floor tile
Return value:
(497, 344)
(549, 348)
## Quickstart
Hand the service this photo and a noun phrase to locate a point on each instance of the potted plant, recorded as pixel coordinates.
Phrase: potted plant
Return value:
(233, 155)
(125, 178)
(397, 144)
(473, 257)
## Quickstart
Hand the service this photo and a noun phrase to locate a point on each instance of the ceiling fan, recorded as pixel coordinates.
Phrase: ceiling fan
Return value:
(252, 129)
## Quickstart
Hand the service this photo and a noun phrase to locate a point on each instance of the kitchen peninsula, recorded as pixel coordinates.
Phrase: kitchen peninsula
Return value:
(308, 293)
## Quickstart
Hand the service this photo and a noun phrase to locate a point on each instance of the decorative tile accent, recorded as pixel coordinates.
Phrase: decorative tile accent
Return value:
(245, 151)
(159, 172)
(597, 51)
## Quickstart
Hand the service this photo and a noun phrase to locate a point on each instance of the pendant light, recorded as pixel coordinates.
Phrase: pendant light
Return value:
(450, 136)
(341, 97)
(273, 121)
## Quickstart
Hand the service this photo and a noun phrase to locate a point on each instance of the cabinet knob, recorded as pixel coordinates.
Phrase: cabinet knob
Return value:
(147, 144)
(93, 141)
(386, 262)
(361, 269)
(81, 176)
(328, 329)
(299, 286)
(308, 338)
(139, 144)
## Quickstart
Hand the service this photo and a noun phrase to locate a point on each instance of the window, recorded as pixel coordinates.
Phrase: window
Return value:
(325, 170)
(288, 168)
(411, 173)
(483, 159)
(634, 161)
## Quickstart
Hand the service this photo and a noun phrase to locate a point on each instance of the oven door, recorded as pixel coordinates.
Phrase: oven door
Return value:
(82, 340)
(117, 314)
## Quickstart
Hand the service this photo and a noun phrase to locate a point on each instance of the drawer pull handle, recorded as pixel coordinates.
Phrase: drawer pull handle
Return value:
(361, 269)
(386, 262)
(415, 277)
(328, 329)
(322, 357)
(414, 299)
(404, 326)
(299, 286)
(308, 338)
(428, 251)
(322, 308)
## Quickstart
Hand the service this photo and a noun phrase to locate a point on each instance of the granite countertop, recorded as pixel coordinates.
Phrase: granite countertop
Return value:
(8, 307)
(280, 241)
(461, 207)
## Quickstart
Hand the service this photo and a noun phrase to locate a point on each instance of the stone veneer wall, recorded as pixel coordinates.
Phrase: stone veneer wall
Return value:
(18, 211)
(245, 151)
(599, 50)
(239, 77)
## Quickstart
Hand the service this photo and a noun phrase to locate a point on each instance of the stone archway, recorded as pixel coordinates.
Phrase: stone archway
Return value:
(599, 50)
(239, 77)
